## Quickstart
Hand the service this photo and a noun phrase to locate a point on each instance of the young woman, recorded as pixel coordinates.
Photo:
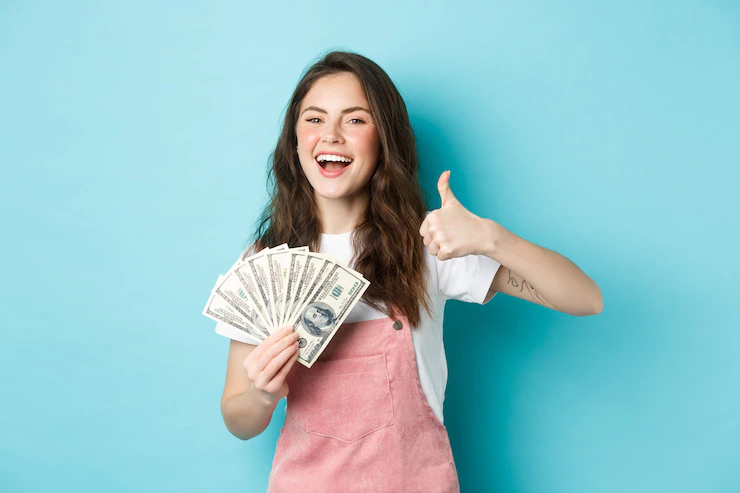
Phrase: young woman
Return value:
(368, 415)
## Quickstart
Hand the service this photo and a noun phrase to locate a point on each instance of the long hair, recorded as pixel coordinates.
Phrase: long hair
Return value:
(388, 249)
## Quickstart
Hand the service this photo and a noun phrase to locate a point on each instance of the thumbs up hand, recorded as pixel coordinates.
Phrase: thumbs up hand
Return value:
(453, 231)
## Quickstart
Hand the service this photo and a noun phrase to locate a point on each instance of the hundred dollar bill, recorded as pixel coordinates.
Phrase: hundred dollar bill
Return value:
(278, 264)
(332, 259)
(295, 270)
(313, 271)
(325, 310)
(234, 333)
(219, 309)
(245, 254)
(243, 272)
(314, 282)
(259, 268)
(240, 295)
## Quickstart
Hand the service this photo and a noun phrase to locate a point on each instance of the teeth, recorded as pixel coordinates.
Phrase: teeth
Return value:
(332, 157)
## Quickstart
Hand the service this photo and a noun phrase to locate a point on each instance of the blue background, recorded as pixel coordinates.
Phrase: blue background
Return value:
(133, 143)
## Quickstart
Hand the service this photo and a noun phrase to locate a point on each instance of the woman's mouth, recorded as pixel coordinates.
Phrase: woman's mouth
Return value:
(331, 165)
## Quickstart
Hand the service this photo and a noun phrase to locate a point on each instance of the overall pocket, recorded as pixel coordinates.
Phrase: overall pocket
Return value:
(346, 399)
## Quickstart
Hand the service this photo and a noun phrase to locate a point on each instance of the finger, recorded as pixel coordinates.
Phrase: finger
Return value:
(272, 347)
(273, 351)
(427, 239)
(270, 373)
(279, 377)
(269, 341)
(433, 248)
(443, 254)
(424, 230)
(443, 187)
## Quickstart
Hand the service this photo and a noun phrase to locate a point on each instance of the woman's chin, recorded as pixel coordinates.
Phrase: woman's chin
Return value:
(336, 193)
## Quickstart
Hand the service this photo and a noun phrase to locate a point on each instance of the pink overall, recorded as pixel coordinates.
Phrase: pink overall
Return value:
(358, 420)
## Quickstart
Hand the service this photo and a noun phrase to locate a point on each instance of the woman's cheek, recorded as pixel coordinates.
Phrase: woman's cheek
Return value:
(306, 136)
(369, 138)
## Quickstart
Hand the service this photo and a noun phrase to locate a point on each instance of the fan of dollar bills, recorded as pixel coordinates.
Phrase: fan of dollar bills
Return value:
(281, 286)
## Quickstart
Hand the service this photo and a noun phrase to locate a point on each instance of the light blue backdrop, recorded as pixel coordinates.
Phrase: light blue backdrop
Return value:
(133, 145)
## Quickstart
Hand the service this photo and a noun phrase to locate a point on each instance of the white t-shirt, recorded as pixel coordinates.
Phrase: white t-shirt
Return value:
(464, 278)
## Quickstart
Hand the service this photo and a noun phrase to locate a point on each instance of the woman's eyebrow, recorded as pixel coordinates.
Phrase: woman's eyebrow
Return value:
(344, 111)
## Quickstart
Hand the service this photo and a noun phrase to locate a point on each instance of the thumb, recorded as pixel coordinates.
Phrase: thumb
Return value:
(443, 186)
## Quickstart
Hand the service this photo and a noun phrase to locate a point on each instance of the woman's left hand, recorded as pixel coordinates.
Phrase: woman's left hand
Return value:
(452, 230)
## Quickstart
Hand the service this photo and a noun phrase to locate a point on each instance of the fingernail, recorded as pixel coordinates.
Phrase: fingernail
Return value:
(288, 330)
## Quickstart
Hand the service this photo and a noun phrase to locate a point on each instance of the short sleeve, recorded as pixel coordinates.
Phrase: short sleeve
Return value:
(227, 330)
(466, 278)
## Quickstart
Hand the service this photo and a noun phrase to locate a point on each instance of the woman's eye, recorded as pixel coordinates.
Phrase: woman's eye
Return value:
(317, 120)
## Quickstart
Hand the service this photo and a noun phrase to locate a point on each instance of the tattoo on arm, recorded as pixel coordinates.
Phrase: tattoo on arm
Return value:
(532, 292)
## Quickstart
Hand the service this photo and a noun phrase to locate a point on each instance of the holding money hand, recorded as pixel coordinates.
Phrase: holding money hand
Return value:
(281, 286)
(268, 364)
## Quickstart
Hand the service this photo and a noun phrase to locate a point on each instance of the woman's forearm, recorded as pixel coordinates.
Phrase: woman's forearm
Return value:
(560, 281)
(246, 415)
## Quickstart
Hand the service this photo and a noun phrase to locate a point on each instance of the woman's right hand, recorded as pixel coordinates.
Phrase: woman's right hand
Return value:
(269, 363)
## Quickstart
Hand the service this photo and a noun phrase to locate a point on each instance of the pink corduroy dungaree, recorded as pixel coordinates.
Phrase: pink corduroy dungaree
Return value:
(358, 420)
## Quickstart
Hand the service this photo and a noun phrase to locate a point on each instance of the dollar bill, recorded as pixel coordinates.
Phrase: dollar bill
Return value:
(324, 311)
(243, 272)
(259, 268)
(310, 281)
(278, 264)
(295, 270)
(219, 309)
(311, 292)
(315, 267)
(245, 254)
(240, 293)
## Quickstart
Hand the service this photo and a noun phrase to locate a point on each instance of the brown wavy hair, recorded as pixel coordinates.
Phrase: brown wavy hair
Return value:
(389, 250)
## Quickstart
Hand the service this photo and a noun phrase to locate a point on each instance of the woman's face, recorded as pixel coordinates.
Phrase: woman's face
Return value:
(334, 119)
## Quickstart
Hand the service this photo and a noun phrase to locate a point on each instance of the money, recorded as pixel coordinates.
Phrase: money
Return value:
(325, 309)
(281, 286)
(314, 267)
(278, 264)
(219, 309)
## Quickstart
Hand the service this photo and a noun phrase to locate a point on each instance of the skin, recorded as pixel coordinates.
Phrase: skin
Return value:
(453, 231)
(324, 127)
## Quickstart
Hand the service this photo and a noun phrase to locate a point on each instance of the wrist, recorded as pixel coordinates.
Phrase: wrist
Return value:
(493, 234)
(263, 399)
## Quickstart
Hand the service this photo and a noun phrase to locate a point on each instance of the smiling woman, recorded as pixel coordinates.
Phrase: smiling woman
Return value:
(345, 183)
(337, 132)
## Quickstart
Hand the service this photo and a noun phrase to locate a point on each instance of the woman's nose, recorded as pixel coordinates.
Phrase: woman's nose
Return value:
(332, 134)
(331, 138)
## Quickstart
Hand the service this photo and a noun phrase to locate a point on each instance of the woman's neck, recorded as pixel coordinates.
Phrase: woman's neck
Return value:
(338, 216)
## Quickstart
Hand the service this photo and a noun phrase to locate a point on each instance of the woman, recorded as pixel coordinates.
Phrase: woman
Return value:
(368, 415)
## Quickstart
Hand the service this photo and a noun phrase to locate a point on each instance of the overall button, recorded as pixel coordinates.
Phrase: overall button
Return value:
(398, 325)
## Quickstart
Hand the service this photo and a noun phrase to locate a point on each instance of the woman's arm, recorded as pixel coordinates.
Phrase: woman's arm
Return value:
(453, 231)
(561, 285)
(255, 382)
(245, 414)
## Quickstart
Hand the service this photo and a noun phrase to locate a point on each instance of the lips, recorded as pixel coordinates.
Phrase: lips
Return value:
(333, 165)
(334, 171)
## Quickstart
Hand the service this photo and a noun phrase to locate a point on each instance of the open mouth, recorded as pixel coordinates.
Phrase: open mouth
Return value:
(332, 162)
